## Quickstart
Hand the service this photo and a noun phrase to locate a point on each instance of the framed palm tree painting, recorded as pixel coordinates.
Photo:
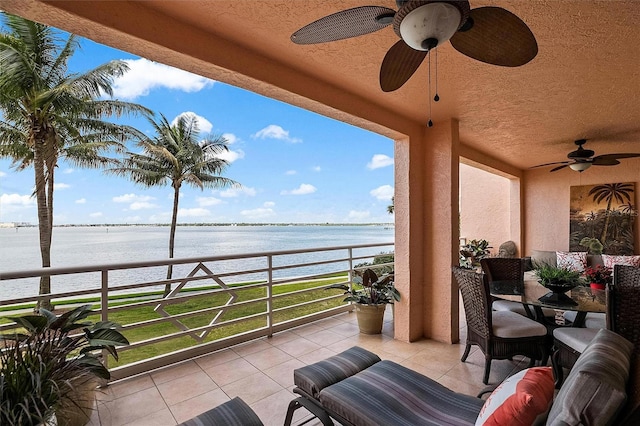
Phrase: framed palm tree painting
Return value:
(602, 218)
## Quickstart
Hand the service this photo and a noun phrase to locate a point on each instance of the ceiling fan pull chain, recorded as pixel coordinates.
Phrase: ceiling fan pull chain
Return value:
(430, 123)
(436, 97)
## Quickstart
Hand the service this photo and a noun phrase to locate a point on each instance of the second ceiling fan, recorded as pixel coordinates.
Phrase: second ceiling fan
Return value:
(581, 159)
(488, 34)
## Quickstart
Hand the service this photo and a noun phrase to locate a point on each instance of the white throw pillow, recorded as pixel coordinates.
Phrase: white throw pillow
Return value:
(573, 260)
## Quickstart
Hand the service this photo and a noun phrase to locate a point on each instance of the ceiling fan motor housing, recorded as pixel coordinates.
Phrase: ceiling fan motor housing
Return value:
(581, 153)
(425, 24)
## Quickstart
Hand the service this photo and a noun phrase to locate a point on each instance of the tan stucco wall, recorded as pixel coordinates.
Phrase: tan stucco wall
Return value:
(546, 201)
(485, 206)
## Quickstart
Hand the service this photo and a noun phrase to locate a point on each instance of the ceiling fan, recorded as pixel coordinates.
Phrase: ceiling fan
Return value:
(581, 159)
(488, 34)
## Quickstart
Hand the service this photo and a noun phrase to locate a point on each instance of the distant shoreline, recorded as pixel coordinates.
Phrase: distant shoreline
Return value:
(200, 224)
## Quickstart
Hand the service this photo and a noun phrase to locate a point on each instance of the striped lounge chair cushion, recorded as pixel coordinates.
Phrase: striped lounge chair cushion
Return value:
(390, 394)
(594, 391)
(232, 413)
(315, 377)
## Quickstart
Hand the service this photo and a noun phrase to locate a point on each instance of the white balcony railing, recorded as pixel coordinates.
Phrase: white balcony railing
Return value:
(215, 302)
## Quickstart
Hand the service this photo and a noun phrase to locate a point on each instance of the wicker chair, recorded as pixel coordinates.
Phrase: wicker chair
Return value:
(499, 334)
(507, 274)
(623, 316)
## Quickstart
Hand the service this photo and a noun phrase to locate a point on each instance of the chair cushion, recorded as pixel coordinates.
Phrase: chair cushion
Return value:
(232, 413)
(390, 394)
(509, 325)
(545, 257)
(523, 399)
(593, 319)
(594, 391)
(574, 337)
(315, 377)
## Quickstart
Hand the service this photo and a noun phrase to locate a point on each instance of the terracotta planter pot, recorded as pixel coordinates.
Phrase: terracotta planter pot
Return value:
(370, 318)
(598, 286)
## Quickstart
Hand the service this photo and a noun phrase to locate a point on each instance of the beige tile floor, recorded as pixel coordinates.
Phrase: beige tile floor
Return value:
(261, 373)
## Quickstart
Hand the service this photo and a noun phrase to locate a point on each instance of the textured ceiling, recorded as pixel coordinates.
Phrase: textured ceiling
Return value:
(584, 82)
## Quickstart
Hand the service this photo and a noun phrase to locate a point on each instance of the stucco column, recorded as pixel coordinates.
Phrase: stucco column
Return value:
(426, 191)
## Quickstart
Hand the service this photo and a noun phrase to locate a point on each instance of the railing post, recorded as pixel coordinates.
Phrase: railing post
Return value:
(269, 295)
(104, 308)
(350, 276)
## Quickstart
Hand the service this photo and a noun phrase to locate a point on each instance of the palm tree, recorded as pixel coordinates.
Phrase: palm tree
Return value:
(391, 207)
(48, 113)
(176, 156)
(609, 192)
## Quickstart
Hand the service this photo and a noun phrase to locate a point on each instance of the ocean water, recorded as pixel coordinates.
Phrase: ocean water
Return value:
(77, 246)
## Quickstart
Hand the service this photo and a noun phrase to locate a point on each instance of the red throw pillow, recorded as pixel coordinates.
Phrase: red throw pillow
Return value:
(521, 400)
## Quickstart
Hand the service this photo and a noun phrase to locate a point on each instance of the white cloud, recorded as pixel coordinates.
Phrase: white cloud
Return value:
(132, 219)
(204, 125)
(378, 161)
(81, 201)
(2, 174)
(317, 169)
(236, 192)
(141, 205)
(16, 200)
(259, 213)
(273, 131)
(231, 138)
(61, 186)
(144, 76)
(68, 171)
(195, 212)
(290, 172)
(269, 204)
(129, 198)
(384, 192)
(95, 214)
(355, 215)
(303, 189)
(208, 201)
(231, 156)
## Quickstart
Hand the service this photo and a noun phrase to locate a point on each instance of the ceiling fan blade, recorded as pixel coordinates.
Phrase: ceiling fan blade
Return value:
(344, 24)
(616, 156)
(559, 168)
(497, 37)
(399, 64)
(551, 164)
(601, 160)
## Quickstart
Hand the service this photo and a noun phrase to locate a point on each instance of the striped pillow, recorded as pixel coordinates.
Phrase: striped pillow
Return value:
(595, 389)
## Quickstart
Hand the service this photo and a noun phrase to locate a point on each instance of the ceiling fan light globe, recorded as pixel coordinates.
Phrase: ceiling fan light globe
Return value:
(580, 167)
(437, 21)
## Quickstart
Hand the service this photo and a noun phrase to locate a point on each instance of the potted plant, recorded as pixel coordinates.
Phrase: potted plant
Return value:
(47, 369)
(559, 281)
(598, 276)
(370, 295)
(472, 252)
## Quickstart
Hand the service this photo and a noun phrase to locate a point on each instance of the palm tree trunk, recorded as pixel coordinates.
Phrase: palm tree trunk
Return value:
(607, 218)
(44, 223)
(172, 236)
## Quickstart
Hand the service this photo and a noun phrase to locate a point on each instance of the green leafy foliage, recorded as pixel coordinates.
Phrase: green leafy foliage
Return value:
(472, 252)
(38, 368)
(549, 274)
(368, 289)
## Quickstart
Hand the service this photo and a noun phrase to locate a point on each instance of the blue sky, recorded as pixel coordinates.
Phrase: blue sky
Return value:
(295, 166)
